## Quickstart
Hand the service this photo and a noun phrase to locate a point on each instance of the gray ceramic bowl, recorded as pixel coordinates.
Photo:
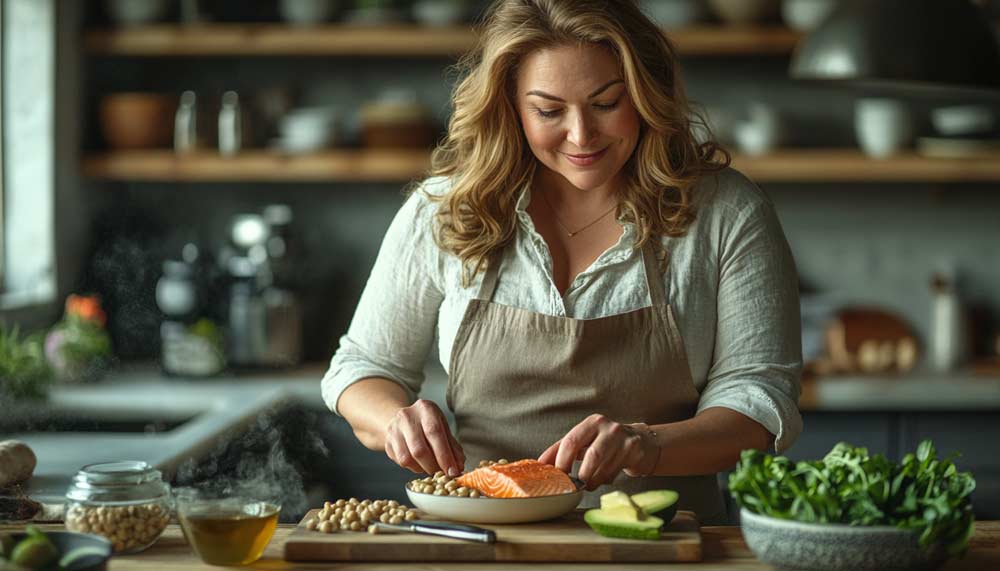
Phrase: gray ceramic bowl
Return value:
(833, 547)
(65, 541)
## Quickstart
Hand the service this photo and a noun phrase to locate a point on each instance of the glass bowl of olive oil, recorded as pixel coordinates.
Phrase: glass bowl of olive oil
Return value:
(226, 530)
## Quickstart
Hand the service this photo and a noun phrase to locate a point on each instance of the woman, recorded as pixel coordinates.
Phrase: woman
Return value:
(603, 288)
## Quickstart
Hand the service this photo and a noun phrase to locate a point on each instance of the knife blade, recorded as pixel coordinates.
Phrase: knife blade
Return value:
(442, 529)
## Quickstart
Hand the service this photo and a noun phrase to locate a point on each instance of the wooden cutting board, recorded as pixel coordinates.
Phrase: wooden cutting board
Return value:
(564, 539)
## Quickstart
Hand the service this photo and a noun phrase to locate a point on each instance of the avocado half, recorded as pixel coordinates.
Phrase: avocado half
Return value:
(619, 523)
(639, 516)
(659, 503)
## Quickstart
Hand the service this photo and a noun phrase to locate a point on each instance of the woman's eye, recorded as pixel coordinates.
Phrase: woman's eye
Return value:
(608, 106)
(547, 114)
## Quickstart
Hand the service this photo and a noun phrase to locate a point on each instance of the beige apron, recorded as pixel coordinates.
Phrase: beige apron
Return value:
(521, 380)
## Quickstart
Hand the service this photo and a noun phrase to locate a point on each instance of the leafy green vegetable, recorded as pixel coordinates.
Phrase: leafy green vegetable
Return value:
(24, 372)
(849, 486)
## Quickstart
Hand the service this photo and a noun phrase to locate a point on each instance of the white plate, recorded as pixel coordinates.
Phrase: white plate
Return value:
(495, 510)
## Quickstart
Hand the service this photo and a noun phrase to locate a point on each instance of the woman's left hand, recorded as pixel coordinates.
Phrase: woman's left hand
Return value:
(606, 447)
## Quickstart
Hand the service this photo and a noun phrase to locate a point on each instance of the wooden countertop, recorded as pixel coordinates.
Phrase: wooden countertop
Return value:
(724, 551)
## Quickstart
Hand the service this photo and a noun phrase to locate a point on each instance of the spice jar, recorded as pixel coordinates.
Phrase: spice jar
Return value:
(126, 502)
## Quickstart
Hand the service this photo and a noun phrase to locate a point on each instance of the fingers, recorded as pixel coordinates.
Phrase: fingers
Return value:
(604, 459)
(576, 440)
(549, 456)
(419, 439)
(438, 436)
(457, 452)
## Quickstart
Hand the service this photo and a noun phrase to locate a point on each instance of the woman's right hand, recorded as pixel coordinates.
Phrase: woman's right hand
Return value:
(418, 439)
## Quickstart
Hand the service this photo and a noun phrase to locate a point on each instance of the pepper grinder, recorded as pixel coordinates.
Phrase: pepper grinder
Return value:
(230, 124)
(949, 342)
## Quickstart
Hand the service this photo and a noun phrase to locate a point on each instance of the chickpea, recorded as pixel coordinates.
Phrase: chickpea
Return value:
(410, 516)
(395, 520)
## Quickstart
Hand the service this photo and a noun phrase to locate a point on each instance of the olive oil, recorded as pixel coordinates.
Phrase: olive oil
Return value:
(224, 534)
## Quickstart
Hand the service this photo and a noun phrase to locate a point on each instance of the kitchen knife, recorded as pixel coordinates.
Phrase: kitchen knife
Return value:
(452, 530)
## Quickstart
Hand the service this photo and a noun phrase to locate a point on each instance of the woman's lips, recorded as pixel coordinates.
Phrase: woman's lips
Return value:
(583, 160)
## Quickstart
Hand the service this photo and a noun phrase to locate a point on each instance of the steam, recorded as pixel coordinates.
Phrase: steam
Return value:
(258, 465)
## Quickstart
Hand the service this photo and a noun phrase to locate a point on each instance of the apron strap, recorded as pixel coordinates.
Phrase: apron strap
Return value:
(489, 283)
(654, 279)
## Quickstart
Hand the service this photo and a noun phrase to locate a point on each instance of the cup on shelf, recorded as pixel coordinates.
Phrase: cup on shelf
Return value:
(883, 126)
(439, 12)
(308, 129)
(674, 13)
(806, 15)
(136, 12)
(306, 12)
(762, 132)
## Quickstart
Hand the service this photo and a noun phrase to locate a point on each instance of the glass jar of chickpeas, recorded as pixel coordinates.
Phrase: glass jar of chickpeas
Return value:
(126, 502)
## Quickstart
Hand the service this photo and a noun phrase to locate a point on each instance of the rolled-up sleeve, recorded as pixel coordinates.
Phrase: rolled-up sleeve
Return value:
(393, 326)
(757, 361)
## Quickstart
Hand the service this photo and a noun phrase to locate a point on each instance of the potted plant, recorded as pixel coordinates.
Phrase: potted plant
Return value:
(24, 373)
(79, 347)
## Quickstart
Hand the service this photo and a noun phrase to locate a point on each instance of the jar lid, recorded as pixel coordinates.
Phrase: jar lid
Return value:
(118, 482)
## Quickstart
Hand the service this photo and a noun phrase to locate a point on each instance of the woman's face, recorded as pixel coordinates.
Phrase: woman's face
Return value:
(576, 113)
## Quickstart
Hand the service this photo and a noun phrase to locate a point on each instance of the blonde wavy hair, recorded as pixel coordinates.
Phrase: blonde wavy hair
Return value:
(488, 160)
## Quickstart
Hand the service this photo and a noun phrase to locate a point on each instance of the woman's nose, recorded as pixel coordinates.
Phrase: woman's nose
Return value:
(581, 132)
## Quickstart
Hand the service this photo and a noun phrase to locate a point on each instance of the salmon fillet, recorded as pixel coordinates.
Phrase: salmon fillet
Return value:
(521, 479)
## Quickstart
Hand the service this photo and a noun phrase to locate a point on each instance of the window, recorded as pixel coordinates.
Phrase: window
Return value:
(2, 170)
(27, 125)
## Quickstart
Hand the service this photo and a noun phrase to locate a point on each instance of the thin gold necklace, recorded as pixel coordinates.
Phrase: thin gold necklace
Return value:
(568, 232)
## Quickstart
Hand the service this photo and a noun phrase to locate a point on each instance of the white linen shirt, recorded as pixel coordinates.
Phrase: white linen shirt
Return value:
(732, 285)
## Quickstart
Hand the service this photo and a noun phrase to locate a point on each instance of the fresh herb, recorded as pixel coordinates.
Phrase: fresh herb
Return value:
(849, 486)
(24, 372)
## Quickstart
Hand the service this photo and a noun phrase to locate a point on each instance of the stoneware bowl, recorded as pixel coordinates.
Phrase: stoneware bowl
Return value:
(138, 120)
(99, 548)
(495, 510)
(833, 547)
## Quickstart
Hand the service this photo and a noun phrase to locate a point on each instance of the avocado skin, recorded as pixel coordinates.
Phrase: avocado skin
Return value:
(610, 526)
(659, 503)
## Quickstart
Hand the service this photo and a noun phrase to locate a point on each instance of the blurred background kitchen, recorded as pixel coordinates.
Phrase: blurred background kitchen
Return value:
(194, 192)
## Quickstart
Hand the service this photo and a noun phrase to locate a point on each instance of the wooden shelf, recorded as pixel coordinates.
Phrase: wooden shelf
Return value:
(849, 165)
(396, 40)
(804, 166)
(259, 166)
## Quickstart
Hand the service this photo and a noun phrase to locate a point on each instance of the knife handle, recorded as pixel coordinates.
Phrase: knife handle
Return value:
(455, 531)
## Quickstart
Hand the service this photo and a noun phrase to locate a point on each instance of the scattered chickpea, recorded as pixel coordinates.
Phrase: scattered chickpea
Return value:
(342, 515)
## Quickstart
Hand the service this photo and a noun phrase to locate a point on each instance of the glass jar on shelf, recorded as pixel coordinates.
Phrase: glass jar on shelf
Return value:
(126, 502)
